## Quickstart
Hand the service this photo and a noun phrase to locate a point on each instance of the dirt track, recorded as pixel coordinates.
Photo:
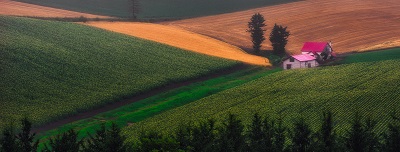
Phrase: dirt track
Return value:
(8, 7)
(352, 25)
(182, 39)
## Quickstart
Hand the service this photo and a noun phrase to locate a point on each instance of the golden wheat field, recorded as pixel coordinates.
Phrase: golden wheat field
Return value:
(183, 39)
(8, 7)
(351, 25)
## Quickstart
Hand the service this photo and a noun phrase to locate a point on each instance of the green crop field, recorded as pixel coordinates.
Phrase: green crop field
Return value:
(50, 70)
(157, 8)
(140, 110)
(372, 88)
(380, 55)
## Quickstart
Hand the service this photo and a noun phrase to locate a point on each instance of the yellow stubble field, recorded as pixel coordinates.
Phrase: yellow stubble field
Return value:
(183, 39)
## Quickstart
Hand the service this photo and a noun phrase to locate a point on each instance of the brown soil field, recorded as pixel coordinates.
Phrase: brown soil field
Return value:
(8, 7)
(351, 25)
(183, 39)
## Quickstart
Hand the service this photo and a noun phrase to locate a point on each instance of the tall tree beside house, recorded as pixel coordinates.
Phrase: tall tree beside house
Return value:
(255, 27)
(279, 38)
(135, 8)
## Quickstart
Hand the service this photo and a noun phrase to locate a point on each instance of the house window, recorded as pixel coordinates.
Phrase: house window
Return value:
(288, 66)
(309, 65)
(291, 59)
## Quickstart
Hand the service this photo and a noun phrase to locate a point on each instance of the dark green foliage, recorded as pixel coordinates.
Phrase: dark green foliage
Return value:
(67, 142)
(255, 27)
(230, 135)
(204, 136)
(8, 140)
(154, 141)
(184, 137)
(361, 138)
(326, 136)
(257, 135)
(279, 137)
(25, 138)
(392, 138)
(301, 136)
(279, 38)
(106, 140)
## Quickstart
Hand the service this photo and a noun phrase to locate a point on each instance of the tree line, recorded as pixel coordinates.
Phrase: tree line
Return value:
(262, 134)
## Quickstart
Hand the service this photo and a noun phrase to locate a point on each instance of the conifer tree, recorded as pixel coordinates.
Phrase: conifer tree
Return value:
(25, 137)
(230, 135)
(361, 138)
(326, 135)
(255, 27)
(279, 137)
(392, 138)
(256, 135)
(279, 38)
(106, 140)
(8, 140)
(67, 142)
(301, 136)
(204, 136)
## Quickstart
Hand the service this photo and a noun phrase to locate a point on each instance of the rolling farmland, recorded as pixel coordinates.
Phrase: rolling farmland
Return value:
(50, 70)
(352, 25)
(9, 7)
(182, 39)
(372, 88)
(157, 9)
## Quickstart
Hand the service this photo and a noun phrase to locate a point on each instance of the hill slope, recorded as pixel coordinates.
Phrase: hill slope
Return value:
(53, 69)
(372, 88)
(157, 8)
(9, 7)
(182, 39)
(352, 25)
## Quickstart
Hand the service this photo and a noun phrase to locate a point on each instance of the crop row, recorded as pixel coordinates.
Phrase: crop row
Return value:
(50, 70)
(371, 88)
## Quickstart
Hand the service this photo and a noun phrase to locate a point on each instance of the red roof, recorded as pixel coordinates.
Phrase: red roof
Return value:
(303, 57)
(314, 47)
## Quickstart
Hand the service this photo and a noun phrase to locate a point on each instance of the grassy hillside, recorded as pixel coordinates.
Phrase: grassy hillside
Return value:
(52, 69)
(372, 88)
(157, 8)
(373, 56)
(146, 108)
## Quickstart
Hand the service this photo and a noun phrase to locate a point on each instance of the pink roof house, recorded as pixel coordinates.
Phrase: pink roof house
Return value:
(317, 48)
(300, 61)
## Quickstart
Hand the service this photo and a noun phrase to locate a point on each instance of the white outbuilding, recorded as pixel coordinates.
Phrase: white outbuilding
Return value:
(300, 61)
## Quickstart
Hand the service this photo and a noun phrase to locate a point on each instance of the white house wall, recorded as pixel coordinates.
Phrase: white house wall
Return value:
(297, 64)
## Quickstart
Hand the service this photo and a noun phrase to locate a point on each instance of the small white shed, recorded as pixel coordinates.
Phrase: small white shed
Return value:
(300, 61)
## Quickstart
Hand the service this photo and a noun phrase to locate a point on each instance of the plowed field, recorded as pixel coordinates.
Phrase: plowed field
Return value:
(352, 25)
(182, 39)
(8, 7)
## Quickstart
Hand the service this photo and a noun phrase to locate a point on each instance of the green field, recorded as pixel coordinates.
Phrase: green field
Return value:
(372, 88)
(50, 70)
(146, 108)
(157, 8)
(380, 55)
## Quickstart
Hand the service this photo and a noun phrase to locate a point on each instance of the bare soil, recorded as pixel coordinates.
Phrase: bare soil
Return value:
(351, 25)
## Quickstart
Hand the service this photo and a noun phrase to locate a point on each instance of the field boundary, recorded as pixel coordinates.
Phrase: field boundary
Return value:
(111, 106)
